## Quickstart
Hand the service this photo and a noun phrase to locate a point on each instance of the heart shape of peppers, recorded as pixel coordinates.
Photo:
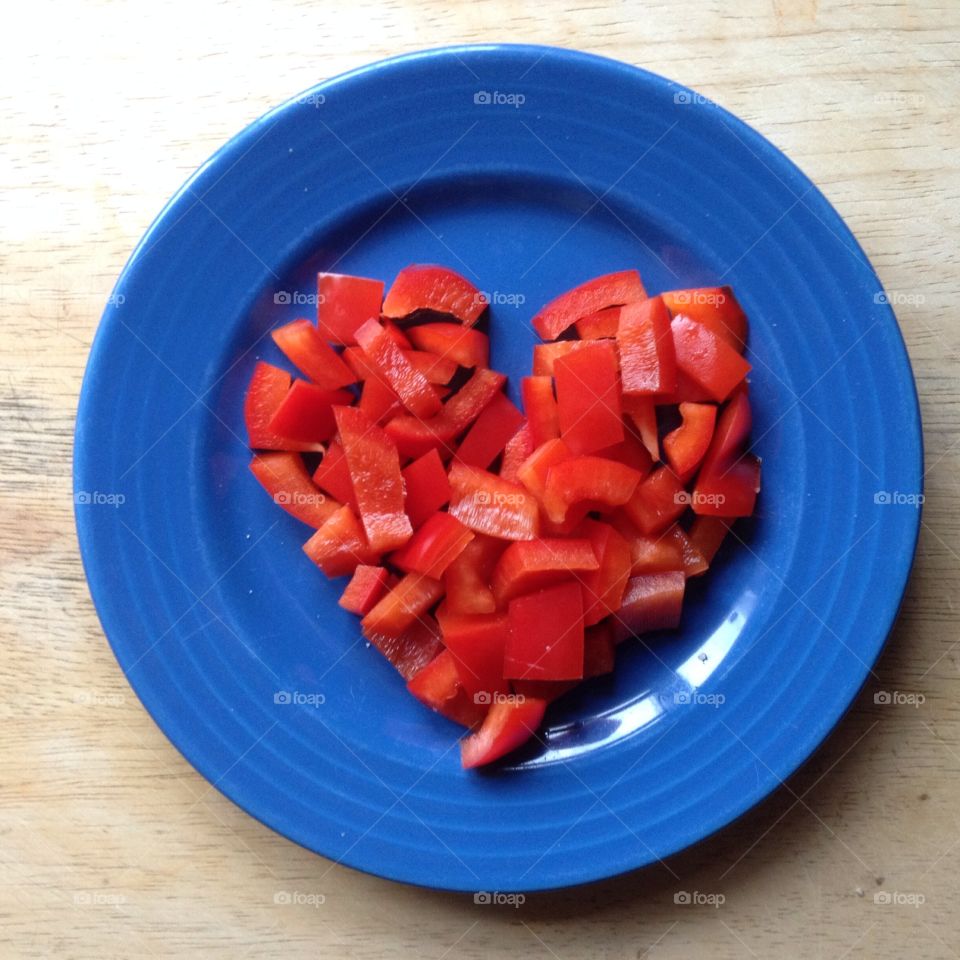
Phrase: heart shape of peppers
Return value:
(497, 557)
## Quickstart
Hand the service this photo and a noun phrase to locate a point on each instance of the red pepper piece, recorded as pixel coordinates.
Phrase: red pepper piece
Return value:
(378, 401)
(597, 294)
(340, 545)
(285, 478)
(269, 386)
(467, 579)
(433, 547)
(488, 504)
(546, 635)
(546, 355)
(629, 451)
(306, 413)
(686, 446)
(603, 588)
(541, 409)
(709, 361)
(647, 361)
(397, 336)
(599, 650)
(531, 565)
(463, 345)
(437, 686)
(366, 587)
(657, 501)
(427, 287)
(411, 650)
(435, 368)
(546, 690)
(596, 326)
(333, 475)
(305, 347)
(518, 448)
(716, 308)
(595, 479)
(648, 554)
(588, 398)
(508, 724)
(488, 436)
(533, 472)
(694, 562)
(477, 644)
(414, 437)
(643, 413)
(375, 472)
(652, 601)
(427, 487)
(409, 384)
(707, 533)
(411, 598)
(345, 303)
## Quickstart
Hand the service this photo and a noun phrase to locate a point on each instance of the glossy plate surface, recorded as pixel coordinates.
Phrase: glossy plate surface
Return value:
(529, 169)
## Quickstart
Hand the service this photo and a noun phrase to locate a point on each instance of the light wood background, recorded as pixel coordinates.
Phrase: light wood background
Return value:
(111, 845)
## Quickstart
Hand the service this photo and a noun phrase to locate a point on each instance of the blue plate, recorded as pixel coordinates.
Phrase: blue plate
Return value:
(529, 169)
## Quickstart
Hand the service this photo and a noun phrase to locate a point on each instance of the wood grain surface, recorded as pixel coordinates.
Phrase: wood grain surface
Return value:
(111, 845)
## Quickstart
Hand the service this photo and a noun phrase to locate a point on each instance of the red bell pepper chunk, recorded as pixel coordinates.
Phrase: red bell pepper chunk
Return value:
(437, 686)
(686, 446)
(375, 471)
(411, 598)
(379, 401)
(540, 407)
(648, 554)
(709, 361)
(333, 475)
(630, 451)
(603, 588)
(463, 345)
(518, 449)
(285, 478)
(530, 565)
(716, 308)
(414, 437)
(596, 326)
(595, 479)
(599, 650)
(427, 487)
(588, 398)
(546, 635)
(533, 472)
(488, 504)
(269, 386)
(546, 355)
(657, 501)
(732, 493)
(477, 644)
(366, 587)
(652, 601)
(429, 287)
(597, 294)
(412, 649)
(707, 533)
(340, 545)
(467, 579)
(647, 362)
(345, 303)
(409, 384)
(488, 436)
(694, 562)
(688, 391)
(433, 547)
(435, 368)
(306, 412)
(643, 413)
(397, 336)
(305, 347)
(508, 724)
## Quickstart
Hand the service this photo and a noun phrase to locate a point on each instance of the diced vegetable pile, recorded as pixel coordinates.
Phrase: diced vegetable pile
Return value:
(498, 556)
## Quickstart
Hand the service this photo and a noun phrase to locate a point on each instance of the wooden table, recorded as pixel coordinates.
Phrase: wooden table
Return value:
(112, 846)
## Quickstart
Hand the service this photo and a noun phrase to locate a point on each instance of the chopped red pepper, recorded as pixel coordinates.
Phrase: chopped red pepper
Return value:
(707, 533)
(411, 650)
(340, 545)
(694, 562)
(546, 355)
(345, 303)
(375, 472)
(657, 502)
(465, 346)
(285, 478)
(709, 361)
(588, 398)
(433, 547)
(477, 644)
(596, 326)
(629, 451)
(603, 588)
(606, 291)
(594, 479)
(531, 565)
(488, 504)
(546, 635)
(437, 685)
(366, 587)
(643, 413)
(333, 475)
(488, 436)
(716, 308)
(647, 362)
(467, 579)
(305, 347)
(412, 597)
(599, 650)
(518, 449)
(652, 601)
(378, 400)
(427, 487)
(428, 287)
(686, 446)
(541, 409)
(533, 472)
(435, 368)
(306, 412)
(269, 386)
(508, 724)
